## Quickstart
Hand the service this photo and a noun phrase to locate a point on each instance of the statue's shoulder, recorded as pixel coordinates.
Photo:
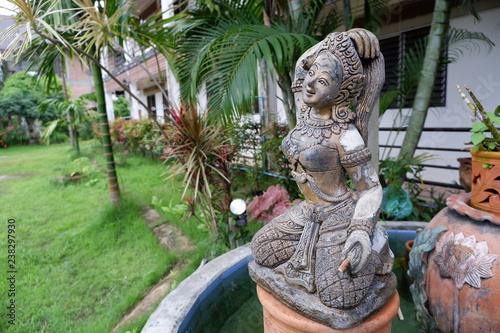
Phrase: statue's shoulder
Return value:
(350, 140)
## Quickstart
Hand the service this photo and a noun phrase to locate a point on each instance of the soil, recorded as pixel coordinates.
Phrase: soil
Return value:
(171, 239)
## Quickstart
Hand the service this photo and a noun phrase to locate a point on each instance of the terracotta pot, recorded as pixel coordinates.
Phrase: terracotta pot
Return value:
(486, 181)
(279, 318)
(405, 262)
(462, 280)
(408, 247)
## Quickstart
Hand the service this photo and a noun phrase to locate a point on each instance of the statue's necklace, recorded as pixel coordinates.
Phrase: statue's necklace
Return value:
(318, 128)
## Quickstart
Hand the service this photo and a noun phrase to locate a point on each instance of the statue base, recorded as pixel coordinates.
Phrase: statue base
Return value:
(279, 318)
(308, 305)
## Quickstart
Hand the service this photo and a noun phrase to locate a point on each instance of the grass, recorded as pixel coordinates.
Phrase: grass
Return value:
(81, 264)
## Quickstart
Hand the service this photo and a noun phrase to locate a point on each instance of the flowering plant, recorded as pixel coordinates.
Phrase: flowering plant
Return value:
(2, 143)
(486, 123)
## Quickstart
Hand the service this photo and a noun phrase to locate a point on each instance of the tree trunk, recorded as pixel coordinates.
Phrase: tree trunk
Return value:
(347, 14)
(66, 96)
(433, 54)
(75, 138)
(114, 190)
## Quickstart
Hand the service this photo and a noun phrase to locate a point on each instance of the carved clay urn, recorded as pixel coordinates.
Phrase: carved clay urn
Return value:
(454, 260)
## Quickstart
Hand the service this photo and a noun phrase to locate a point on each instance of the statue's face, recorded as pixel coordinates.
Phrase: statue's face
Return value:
(322, 82)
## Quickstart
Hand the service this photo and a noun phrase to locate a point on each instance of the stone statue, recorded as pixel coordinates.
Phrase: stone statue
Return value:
(325, 258)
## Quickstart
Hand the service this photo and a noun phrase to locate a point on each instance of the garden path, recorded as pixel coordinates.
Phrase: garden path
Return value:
(171, 239)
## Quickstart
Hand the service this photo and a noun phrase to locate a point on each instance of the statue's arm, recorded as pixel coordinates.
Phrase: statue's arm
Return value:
(356, 159)
(366, 43)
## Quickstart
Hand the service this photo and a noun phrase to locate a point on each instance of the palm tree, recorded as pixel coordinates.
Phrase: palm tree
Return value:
(225, 46)
(433, 57)
(80, 29)
(72, 114)
(224, 50)
(408, 75)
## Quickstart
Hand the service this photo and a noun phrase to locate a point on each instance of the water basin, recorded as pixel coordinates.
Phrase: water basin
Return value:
(221, 297)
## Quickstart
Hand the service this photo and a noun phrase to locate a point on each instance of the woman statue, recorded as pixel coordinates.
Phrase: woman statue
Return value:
(328, 244)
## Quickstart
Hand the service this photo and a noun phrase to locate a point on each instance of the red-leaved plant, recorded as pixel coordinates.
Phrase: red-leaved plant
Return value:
(202, 150)
(275, 201)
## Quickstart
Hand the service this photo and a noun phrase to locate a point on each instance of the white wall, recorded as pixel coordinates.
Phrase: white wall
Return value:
(477, 69)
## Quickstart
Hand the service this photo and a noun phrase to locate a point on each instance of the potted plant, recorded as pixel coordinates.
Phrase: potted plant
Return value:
(485, 184)
(397, 200)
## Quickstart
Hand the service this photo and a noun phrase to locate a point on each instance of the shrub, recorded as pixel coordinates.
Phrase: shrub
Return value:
(2, 143)
(121, 107)
(58, 137)
(86, 130)
(203, 152)
(135, 134)
(275, 201)
(15, 135)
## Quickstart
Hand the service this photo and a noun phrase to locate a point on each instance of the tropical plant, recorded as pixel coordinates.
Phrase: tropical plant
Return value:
(486, 124)
(433, 56)
(223, 45)
(273, 202)
(71, 114)
(81, 29)
(397, 201)
(202, 151)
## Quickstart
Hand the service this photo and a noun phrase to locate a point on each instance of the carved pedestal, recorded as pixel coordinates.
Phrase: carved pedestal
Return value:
(278, 318)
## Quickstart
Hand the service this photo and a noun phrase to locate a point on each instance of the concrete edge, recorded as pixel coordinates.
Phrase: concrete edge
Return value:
(402, 225)
(176, 305)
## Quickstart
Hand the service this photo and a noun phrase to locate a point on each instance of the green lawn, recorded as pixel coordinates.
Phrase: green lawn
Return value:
(80, 264)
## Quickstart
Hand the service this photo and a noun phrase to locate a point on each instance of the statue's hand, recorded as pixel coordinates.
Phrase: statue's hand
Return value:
(358, 248)
(366, 43)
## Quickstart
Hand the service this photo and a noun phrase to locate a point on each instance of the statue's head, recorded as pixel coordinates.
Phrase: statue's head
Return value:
(335, 76)
(322, 83)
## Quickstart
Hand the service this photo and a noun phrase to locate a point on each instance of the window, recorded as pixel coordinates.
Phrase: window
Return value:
(394, 49)
(119, 59)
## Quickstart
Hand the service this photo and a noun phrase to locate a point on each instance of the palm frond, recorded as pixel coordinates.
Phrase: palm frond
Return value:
(374, 14)
(227, 62)
(460, 40)
(471, 6)
(96, 29)
(34, 17)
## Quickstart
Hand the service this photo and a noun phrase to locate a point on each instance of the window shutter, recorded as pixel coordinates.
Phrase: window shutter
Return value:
(393, 49)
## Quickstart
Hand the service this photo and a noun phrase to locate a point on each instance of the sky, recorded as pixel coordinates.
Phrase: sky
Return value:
(3, 11)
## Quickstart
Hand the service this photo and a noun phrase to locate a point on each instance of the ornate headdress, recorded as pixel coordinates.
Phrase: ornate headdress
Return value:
(363, 73)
